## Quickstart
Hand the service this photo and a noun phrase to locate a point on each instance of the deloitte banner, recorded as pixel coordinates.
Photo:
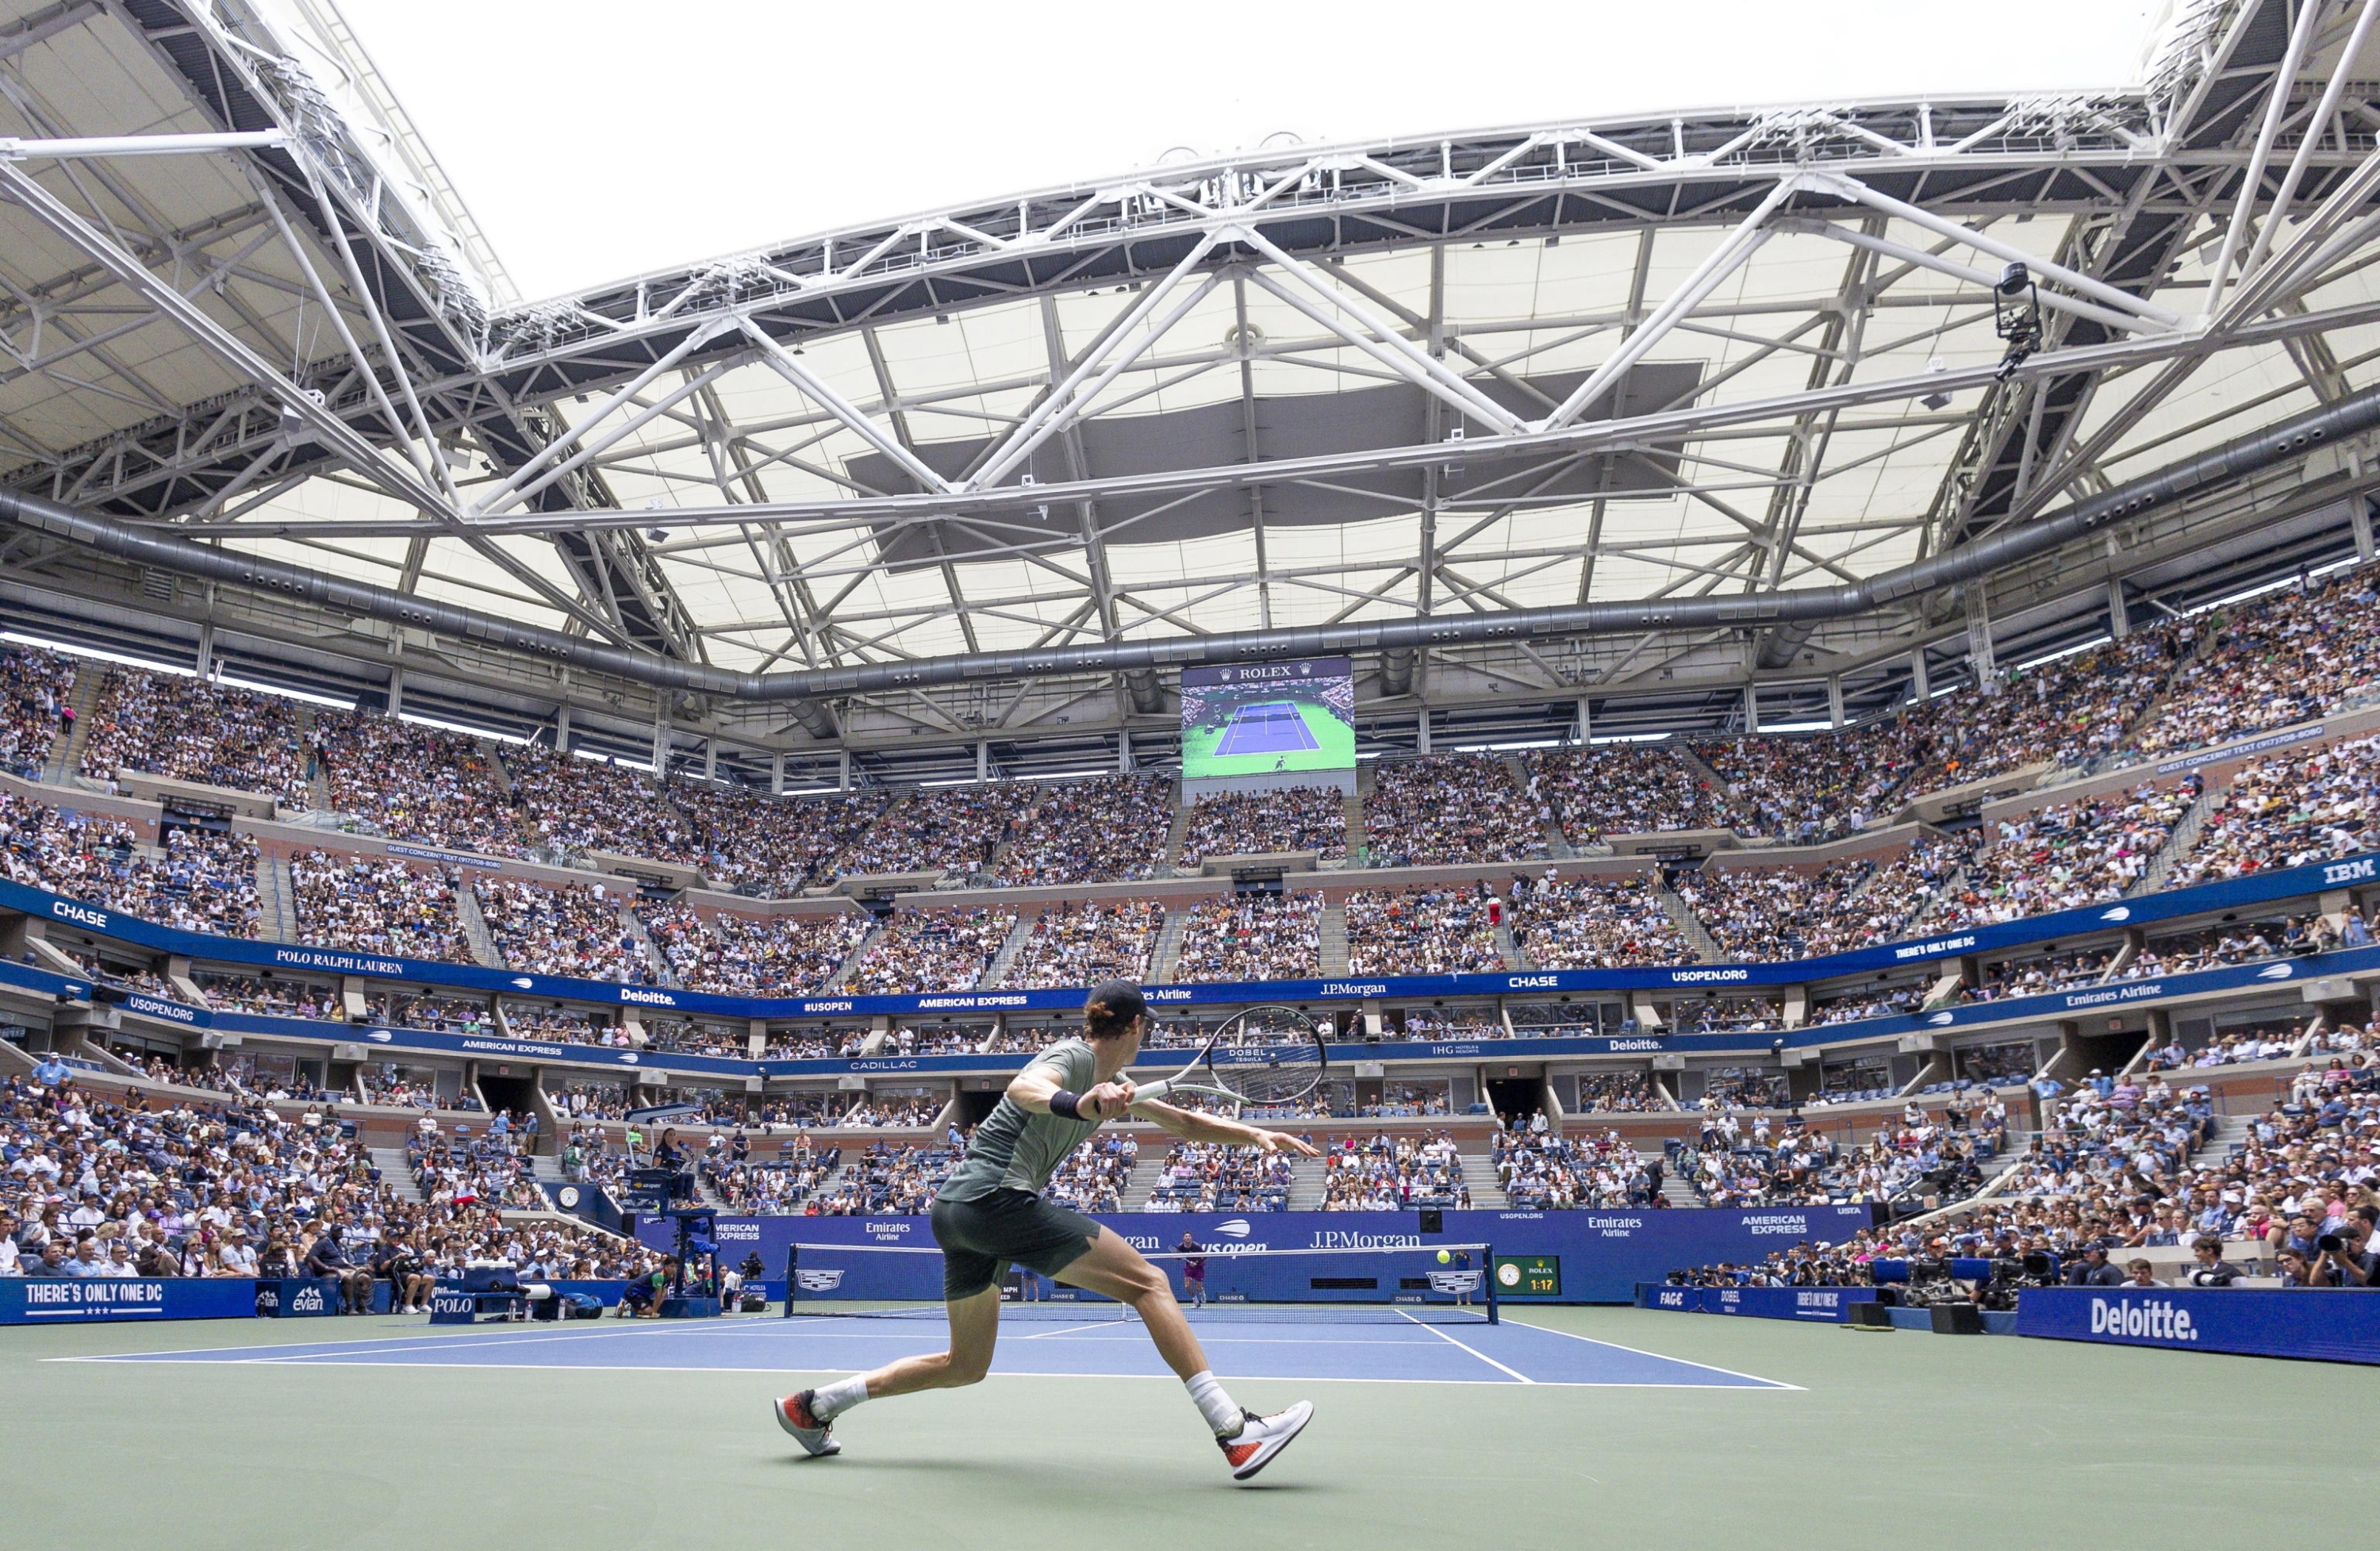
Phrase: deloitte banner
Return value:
(1603, 1254)
(45, 1301)
(1825, 1306)
(2329, 1326)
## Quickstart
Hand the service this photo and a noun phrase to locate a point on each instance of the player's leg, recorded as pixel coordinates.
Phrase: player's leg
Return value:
(971, 1296)
(1116, 1269)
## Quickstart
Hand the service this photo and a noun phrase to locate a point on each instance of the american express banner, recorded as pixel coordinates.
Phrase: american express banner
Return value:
(1604, 1253)
(2329, 1326)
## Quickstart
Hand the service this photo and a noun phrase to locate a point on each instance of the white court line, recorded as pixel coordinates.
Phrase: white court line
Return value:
(365, 1349)
(1473, 1351)
(1707, 1368)
(997, 1372)
(1066, 1330)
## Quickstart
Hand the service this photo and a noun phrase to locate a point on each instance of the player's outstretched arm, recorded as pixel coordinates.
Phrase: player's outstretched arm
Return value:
(1191, 1126)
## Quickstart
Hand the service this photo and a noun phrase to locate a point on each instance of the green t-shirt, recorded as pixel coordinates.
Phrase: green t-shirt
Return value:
(1015, 1148)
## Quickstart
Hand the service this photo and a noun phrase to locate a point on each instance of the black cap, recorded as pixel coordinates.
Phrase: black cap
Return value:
(1121, 997)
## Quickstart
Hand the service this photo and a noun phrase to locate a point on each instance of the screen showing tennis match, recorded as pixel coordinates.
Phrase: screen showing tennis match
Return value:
(1261, 718)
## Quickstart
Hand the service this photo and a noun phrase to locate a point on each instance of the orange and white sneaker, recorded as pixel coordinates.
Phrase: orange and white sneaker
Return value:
(1260, 1438)
(812, 1432)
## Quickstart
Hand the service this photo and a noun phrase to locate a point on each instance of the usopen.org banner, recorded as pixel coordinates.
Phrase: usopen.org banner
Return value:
(1604, 1253)
(2327, 1325)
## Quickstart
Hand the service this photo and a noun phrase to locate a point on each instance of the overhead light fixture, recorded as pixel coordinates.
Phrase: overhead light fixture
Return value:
(656, 535)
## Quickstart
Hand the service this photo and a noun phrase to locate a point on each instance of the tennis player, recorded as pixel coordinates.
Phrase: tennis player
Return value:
(990, 1214)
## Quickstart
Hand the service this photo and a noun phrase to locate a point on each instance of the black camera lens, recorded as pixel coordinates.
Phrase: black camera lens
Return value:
(2330, 1243)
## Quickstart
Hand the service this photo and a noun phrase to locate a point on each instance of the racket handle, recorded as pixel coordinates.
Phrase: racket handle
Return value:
(1143, 1092)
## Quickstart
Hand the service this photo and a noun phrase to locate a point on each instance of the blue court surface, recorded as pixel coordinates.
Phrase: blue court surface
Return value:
(1273, 727)
(1511, 1352)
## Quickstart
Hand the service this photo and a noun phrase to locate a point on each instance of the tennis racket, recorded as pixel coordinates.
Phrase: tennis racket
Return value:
(1258, 1055)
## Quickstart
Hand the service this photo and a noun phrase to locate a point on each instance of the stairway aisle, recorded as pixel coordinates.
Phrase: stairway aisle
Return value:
(1331, 935)
(655, 961)
(66, 754)
(1167, 951)
(276, 898)
(2186, 830)
(1010, 946)
(1479, 1178)
(394, 1173)
(475, 928)
(1706, 948)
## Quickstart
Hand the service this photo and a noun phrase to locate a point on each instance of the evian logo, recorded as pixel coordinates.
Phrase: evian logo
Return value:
(643, 997)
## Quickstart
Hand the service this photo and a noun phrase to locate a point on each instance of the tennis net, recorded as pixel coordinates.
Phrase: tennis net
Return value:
(1432, 1284)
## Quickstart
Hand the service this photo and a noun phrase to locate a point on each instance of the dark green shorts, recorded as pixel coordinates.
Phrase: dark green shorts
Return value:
(981, 1238)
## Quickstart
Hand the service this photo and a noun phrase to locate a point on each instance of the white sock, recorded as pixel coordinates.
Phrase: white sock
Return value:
(1215, 1406)
(832, 1399)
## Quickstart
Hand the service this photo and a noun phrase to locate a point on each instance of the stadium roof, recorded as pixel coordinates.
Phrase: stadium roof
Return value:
(1701, 355)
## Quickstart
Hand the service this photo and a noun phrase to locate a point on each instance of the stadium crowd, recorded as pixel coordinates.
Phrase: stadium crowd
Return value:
(1453, 807)
(754, 955)
(1606, 921)
(1083, 944)
(1281, 819)
(191, 728)
(1252, 937)
(36, 707)
(1108, 828)
(1420, 931)
(932, 951)
(570, 930)
(1624, 788)
(176, 1186)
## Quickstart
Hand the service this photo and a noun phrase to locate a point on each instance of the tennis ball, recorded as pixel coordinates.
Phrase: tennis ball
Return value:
(1443, 1257)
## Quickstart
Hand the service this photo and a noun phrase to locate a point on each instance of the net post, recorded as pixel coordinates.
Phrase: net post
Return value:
(1488, 1278)
(793, 1265)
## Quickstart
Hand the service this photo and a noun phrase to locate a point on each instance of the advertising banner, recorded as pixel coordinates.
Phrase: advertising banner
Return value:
(1824, 1306)
(2329, 1326)
(2235, 893)
(47, 1300)
(1598, 1255)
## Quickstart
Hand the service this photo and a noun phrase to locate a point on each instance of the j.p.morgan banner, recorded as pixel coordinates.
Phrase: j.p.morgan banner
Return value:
(1604, 1253)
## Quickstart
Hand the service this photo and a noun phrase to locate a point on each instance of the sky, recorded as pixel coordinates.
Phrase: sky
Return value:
(598, 139)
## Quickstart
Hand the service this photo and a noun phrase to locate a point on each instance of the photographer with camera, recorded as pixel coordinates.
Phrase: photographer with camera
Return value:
(2093, 1271)
(2338, 1259)
(2212, 1269)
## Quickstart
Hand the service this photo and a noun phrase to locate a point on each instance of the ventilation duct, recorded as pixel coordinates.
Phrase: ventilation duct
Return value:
(156, 547)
